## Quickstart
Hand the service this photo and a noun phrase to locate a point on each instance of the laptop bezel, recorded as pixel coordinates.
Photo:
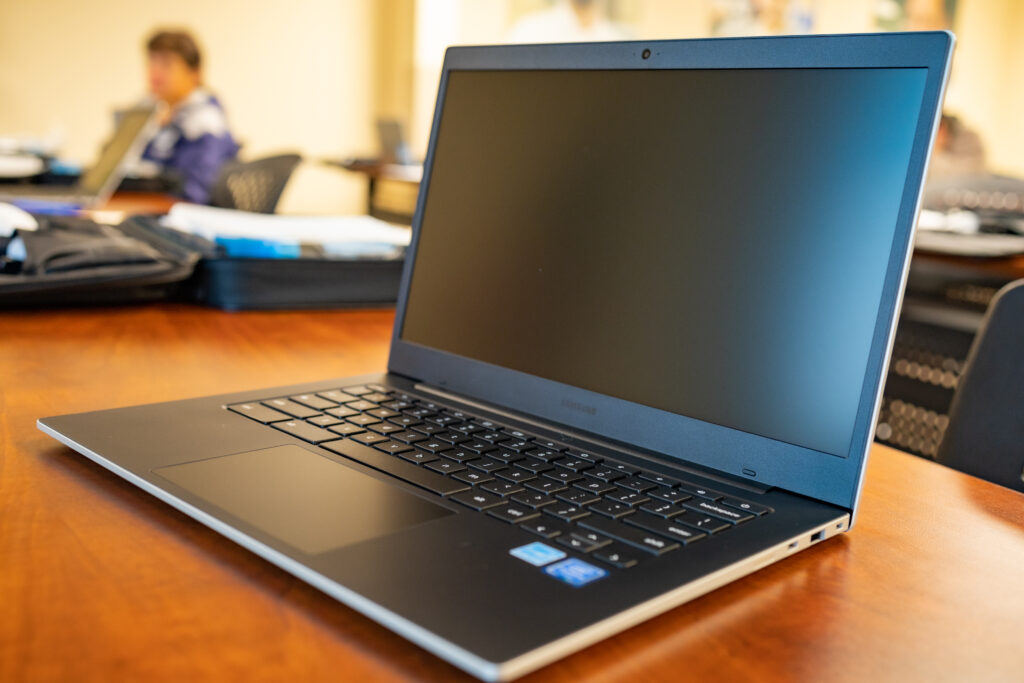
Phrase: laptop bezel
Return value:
(759, 459)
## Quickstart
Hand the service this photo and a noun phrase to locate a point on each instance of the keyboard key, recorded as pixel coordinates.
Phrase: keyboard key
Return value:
(576, 543)
(473, 478)
(458, 455)
(627, 497)
(384, 428)
(563, 476)
(514, 514)
(443, 420)
(403, 420)
(565, 511)
(478, 500)
(489, 437)
(380, 388)
(445, 466)
(305, 431)
(396, 405)
(638, 538)
(368, 438)
(592, 537)
(358, 390)
(665, 527)
(335, 395)
(501, 488)
(661, 509)
(487, 465)
(451, 437)
(711, 525)
(533, 465)
(616, 556)
(628, 470)
(551, 445)
(546, 485)
(669, 495)
(545, 527)
(584, 454)
(362, 420)
(746, 506)
(313, 401)
(392, 447)
(505, 456)
(323, 420)
(700, 491)
(383, 413)
(605, 473)
(341, 411)
(475, 446)
(433, 445)
(290, 407)
(574, 464)
(259, 412)
(516, 445)
(376, 397)
(428, 429)
(725, 512)
(577, 497)
(594, 485)
(361, 405)
(636, 484)
(418, 476)
(514, 474)
(544, 454)
(467, 428)
(346, 429)
(533, 499)
(516, 434)
(611, 509)
(659, 479)
(408, 437)
(418, 457)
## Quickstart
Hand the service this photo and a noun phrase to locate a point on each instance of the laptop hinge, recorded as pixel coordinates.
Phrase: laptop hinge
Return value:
(604, 443)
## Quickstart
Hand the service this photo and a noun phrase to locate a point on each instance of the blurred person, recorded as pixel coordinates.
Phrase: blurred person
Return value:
(958, 150)
(567, 21)
(193, 140)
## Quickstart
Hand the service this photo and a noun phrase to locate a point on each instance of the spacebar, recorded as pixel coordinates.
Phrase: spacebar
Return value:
(389, 464)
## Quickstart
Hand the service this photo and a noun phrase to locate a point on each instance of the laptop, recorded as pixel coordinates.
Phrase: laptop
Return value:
(638, 350)
(94, 187)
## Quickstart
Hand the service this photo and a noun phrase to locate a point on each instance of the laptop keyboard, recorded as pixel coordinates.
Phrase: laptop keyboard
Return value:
(609, 510)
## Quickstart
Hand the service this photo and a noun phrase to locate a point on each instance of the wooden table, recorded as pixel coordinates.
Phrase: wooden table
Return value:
(99, 581)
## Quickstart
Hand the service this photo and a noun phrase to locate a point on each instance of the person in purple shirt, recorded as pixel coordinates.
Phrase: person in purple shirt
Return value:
(193, 140)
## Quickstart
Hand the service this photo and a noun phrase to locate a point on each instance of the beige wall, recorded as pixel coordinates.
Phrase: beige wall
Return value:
(293, 76)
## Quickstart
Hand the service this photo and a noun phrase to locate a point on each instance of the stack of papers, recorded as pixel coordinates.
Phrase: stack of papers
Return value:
(246, 234)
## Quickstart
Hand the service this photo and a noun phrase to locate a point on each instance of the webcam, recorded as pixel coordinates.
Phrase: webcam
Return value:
(646, 54)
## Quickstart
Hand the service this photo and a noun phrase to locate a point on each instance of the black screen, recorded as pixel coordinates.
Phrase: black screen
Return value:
(711, 243)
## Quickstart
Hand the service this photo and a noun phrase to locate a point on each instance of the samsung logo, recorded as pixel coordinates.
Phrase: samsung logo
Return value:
(580, 407)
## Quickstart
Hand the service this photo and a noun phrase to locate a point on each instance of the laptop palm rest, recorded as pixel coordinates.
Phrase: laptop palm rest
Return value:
(301, 498)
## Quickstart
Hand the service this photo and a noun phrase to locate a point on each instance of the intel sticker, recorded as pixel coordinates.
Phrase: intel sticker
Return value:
(575, 572)
(537, 554)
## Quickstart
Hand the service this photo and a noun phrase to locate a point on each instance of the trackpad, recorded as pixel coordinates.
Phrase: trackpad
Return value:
(303, 499)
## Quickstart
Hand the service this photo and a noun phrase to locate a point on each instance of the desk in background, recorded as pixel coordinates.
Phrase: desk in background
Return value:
(391, 189)
(100, 581)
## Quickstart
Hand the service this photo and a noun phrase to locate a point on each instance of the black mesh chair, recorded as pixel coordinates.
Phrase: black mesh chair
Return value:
(253, 185)
(985, 436)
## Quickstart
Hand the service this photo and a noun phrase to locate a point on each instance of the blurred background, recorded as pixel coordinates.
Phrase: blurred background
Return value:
(314, 76)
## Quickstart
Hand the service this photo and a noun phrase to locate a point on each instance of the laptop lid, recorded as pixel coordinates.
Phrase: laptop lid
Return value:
(692, 247)
(124, 148)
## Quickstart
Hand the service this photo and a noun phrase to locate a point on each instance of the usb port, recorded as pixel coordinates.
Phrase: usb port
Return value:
(817, 536)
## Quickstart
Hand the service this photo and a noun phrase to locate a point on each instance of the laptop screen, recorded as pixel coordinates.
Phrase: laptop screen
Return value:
(711, 243)
(129, 127)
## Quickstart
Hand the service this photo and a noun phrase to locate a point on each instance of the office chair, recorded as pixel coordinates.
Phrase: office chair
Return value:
(253, 185)
(985, 436)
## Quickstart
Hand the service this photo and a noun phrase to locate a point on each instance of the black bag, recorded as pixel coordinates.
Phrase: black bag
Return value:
(75, 261)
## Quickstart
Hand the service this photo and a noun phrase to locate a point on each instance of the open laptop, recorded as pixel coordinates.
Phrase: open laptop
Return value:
(96, 185)
(638, 351)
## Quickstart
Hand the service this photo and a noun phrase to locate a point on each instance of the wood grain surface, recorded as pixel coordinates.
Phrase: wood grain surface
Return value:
(101, 582)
